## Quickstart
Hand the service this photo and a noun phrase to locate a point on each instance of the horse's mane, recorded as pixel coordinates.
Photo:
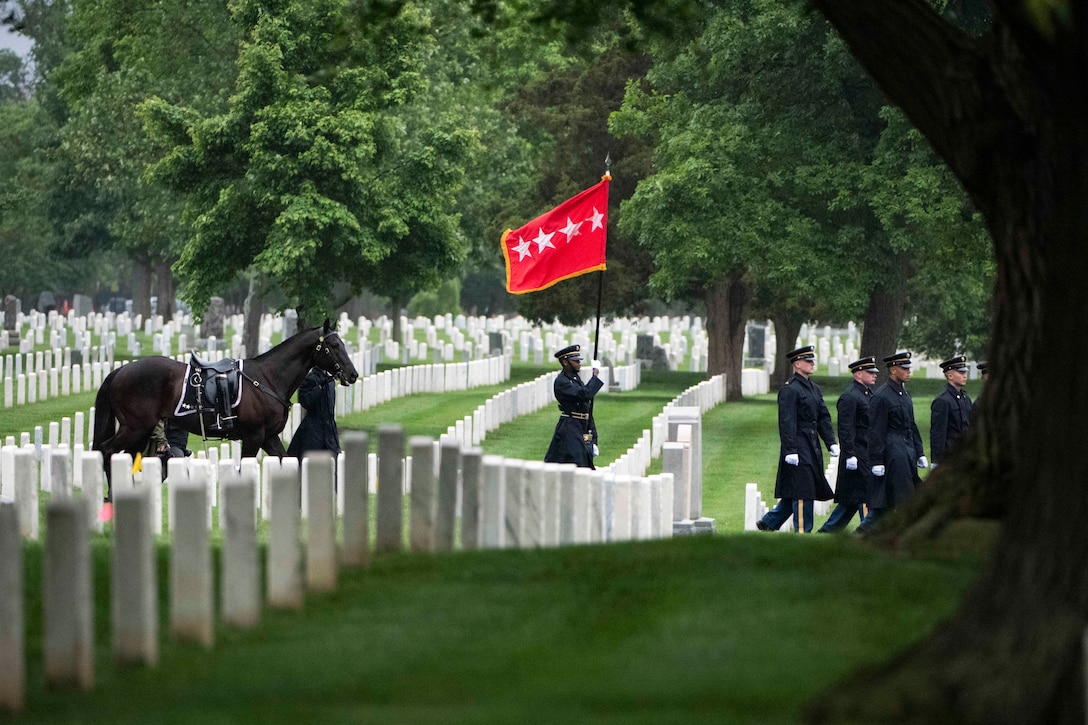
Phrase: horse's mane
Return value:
(292, 337)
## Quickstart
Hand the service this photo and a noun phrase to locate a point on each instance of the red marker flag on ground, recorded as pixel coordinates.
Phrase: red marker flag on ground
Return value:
(565, 242)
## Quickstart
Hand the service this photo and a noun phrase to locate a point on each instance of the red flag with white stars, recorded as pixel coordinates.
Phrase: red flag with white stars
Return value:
(565, 242)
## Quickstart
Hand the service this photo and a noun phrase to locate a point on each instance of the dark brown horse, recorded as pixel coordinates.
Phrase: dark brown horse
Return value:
(134, 397)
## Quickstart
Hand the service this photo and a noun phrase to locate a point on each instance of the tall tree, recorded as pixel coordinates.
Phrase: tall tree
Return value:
(322, 170)
(1008, 111)
(121, 55)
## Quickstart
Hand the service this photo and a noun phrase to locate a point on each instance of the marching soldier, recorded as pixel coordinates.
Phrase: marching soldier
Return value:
(802, 420)
(575, 437)
(950, 412)
(895, 445)
(853, 481)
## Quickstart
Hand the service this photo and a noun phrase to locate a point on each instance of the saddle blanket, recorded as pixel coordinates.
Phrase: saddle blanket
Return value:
(190, 389)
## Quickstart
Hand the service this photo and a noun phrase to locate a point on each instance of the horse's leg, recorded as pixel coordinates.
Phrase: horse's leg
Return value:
(251, 445)
(273, 446)
(125, 441)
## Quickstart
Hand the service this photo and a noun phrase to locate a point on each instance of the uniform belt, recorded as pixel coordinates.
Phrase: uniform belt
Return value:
(575, 415)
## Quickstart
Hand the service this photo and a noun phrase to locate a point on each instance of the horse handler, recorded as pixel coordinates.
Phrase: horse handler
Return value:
(575, 437)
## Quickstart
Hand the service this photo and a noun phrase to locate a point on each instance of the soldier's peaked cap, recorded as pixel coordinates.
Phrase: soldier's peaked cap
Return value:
(902, 359)
(866, 364)
(571, 352)
(802, 353)
(958, 363)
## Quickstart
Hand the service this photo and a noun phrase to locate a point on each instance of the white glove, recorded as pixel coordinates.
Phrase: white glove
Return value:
(834, 450)
(596, 451)
(922, 462)
(595, 364)
(792, 459)
(852, 463)
(933, 466)
(878, 470)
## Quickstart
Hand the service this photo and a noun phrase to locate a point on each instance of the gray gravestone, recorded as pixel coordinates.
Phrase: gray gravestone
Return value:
(356, 500)
(240, 574)
(757, 339)
(389, 524)
(68, 594)
(133, 592)
(12, 638)
(191, 599)
(213, 318)
(284, 567)
(82, 305)
(322, 568)
(11, 311)
(290, 323)
(495, 342)
(472, 480)
(491, 502)
(644, 347)
(449, 463)
(423, 499)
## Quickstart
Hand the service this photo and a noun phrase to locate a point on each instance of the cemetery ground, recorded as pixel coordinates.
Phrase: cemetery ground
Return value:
(737, 627)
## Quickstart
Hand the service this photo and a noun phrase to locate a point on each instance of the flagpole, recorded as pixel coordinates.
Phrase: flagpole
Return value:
(600, 274)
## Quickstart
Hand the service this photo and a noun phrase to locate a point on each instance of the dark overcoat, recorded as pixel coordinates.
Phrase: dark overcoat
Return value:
(895, 443)
(852, 487)
(950, 416)
(574, 435)
(317, 431)
(802, 420)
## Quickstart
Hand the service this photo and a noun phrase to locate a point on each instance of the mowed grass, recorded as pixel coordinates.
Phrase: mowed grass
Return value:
(740, 627)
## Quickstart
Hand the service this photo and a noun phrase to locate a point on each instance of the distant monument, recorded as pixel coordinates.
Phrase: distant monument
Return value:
(11, 311)
(213, 319)
(290, 323)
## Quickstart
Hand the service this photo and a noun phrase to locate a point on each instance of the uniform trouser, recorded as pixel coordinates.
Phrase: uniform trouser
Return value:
(786, 507)
(869, 521)
(841, 517)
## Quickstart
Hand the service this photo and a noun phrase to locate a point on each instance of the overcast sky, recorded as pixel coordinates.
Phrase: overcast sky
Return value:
(13, 41)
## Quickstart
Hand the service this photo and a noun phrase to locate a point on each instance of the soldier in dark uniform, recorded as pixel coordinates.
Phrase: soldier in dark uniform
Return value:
(317, 431)
(853, 481)
(802, 420)
(575, 437)
(895, 445)
(950, 412)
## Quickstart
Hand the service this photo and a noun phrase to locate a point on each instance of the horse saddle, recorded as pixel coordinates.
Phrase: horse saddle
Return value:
(214, 386)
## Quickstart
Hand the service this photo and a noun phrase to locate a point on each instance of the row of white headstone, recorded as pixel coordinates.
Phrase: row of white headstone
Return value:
(503, 503)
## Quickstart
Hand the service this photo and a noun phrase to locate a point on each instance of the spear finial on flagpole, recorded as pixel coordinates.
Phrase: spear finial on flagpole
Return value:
(608, 165)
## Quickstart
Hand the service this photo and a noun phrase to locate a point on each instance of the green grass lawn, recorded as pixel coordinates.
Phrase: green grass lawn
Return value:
(742, 628)
(739, 627)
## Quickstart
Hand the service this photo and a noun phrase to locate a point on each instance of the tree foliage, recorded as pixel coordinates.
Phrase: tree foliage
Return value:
(326, 166)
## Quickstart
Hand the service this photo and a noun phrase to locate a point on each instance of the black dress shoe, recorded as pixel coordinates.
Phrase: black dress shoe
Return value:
(762, 526)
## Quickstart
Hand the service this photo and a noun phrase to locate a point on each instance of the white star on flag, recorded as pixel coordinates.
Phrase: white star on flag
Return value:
(543, 240)
(596, 219)
(522, 248)
(571, 230)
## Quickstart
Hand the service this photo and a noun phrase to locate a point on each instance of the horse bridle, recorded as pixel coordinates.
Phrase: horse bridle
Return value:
(322, 347)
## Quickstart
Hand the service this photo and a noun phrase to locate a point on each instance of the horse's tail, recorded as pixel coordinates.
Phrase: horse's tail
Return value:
(105, 420)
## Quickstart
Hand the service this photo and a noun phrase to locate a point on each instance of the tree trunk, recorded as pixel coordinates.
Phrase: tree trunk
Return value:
(786, 330)
(251, 313)
(1010, 116)
(141, 288)
(165, 290)
(726, 314)
(881, 324)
